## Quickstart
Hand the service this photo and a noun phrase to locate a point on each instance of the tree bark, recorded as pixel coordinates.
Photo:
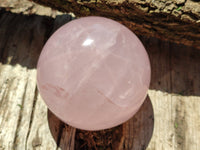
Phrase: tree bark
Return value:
(175, 20)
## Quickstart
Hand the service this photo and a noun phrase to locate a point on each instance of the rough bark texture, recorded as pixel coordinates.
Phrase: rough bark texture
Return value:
(174, 20)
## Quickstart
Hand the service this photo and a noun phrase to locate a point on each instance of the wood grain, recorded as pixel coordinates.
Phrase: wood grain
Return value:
(168, 120)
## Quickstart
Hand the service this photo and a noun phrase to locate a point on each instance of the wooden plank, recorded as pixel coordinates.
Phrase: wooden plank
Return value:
(175, 95)
(159, 53)
(13, 82)
(21, 40)
(12, 85)
(185, 76)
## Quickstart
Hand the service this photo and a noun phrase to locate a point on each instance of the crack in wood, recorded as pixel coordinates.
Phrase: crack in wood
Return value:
(20, 116)
(61, 126)
(3, 103)
(32, 115)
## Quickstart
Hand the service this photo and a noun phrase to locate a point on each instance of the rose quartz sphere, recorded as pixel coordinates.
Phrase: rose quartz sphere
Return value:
(93, 73)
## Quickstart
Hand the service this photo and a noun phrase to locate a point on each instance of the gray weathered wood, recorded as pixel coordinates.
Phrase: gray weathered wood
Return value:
(23, 117)
(175, 96)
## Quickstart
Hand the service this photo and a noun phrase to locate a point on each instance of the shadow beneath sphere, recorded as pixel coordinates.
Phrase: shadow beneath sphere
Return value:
(139, 129)
(135, 133)
(63, 134)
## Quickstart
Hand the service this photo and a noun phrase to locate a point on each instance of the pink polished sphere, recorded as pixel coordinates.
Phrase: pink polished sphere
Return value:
(93, 73)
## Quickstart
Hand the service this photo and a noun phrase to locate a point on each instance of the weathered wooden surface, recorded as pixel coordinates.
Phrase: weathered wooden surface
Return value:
(27, 7)
(174, 20)
(168, 120)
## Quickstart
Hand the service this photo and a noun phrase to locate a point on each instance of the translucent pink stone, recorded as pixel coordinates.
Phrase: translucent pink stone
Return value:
(93, 73)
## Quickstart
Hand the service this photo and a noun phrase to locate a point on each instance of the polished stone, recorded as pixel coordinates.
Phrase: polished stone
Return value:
(93, 73)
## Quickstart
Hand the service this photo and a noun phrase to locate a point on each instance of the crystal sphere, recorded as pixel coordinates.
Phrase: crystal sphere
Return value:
(93, 73)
